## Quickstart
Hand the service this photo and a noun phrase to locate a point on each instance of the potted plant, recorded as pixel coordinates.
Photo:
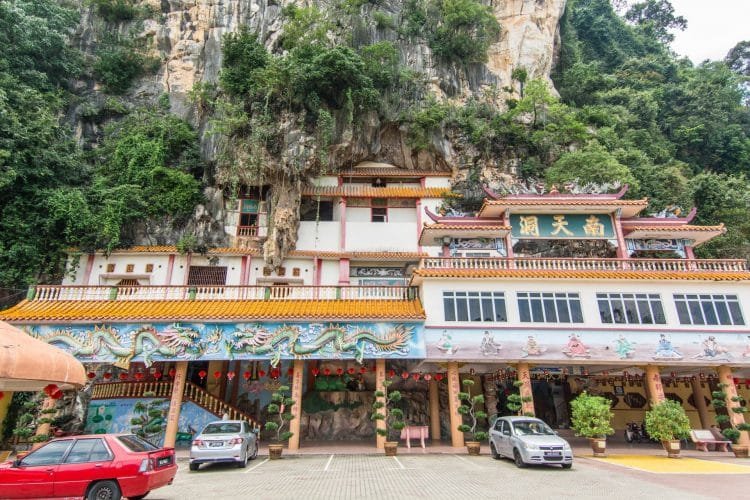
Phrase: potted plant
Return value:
(591, 417)
(734, 430)
(384, 402)
(472, 414)
(668, 423)
(515, 401)
(279, 416)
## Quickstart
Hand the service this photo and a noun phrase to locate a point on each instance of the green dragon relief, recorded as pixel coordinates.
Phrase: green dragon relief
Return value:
(286, 339)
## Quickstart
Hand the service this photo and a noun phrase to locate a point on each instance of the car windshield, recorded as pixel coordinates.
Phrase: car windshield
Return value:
(134, 443)
(532, 428)
(222, 428)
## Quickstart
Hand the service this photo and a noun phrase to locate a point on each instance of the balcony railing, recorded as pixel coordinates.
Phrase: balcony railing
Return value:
(247, 231)
(220, 292)
(585, 264)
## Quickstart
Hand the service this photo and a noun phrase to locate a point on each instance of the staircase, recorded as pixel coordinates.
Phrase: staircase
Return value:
(192, 393)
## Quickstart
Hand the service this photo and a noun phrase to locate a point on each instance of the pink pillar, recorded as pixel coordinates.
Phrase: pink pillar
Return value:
(243, 270)
(342, 237)
(622, 251)
(509, 236)
(419, 222)
(89, 266)
(188, 261)
(248, 268)
(343, 271)
(170, 270)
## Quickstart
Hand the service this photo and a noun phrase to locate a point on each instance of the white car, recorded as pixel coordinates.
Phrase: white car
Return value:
(224, 441)
(528, 440)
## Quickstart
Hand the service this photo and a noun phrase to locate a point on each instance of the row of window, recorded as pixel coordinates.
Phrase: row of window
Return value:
(620, 308)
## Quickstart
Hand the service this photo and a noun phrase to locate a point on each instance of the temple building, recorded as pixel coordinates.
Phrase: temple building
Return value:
(563, 290)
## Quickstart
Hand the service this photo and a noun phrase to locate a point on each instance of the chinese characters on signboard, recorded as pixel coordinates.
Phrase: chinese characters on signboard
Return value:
(584, 226)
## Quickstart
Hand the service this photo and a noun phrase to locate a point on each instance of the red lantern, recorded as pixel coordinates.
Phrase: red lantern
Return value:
(363, 370)
(157, 375)
(315, 371)
(49, 389)
(290, 371)
(339, 371)
(374, 368)
(736, 381)
(415, 375)
(261, 373)
(246, 375)
(139, 376)
(91, 375)
(217, 374)
(171, 372)
(326, 371)
(57, 394)
(107, 375)
(351, 371)
(438, 377)
(123, 376)
(230, 375)
(2, 394)
(673, 374)
(391, 373)
(202, 374)
(404, 375)
(275, 373)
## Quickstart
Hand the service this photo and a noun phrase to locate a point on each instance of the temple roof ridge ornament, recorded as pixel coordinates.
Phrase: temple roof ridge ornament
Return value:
(459, 218)
(531, 188)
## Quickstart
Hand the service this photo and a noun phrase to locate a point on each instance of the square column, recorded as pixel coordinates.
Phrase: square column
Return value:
(525, 391)
(454, 387)
(653, 384)
(295, 424)
(175, 403)
(700, 402)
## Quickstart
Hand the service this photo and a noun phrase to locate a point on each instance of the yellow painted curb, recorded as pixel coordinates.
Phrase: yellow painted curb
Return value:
(665, 465)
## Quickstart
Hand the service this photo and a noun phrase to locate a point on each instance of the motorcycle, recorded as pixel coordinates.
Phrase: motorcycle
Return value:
(635, 432)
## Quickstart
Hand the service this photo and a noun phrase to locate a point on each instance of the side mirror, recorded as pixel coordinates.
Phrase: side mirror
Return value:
(17, 462)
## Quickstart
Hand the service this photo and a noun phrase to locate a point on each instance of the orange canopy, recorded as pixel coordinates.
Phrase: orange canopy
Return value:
(29, 364)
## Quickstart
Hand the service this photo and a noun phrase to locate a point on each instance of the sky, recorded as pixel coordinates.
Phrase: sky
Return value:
(714, 27)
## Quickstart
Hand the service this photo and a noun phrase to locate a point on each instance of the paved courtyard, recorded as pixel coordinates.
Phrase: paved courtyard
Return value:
(439, 476)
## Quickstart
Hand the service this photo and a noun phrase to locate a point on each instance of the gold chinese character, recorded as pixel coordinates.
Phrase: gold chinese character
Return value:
(529, 225)
(559, 225)
(593, 227)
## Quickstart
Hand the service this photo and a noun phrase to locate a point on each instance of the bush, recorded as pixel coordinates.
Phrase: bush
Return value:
(667, 421)
(591, 416)
(470, 408)
(117, 68)
(115, 11)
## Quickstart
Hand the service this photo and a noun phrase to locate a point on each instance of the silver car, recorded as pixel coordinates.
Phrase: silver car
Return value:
(224, 441)
(528, 440)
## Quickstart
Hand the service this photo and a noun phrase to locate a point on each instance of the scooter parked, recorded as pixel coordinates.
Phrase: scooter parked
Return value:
(635, 432)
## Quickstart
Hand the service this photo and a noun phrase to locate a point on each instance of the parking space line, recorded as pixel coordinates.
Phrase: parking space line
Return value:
(399, 463)
(467, 461)
(328, 464)
(256, 466)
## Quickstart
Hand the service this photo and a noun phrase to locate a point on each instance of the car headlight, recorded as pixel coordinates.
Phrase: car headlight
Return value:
(531, 446)
(566, 447)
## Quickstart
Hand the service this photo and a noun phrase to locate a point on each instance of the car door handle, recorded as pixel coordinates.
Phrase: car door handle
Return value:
(97, 465)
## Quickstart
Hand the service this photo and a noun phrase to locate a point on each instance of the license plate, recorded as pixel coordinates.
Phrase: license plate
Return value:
(164, 461)
(552, 453)
(216, 444)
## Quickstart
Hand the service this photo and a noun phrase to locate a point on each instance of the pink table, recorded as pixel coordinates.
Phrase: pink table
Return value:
(413, 432)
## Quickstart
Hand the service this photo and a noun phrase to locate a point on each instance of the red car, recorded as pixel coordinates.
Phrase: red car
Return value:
(98, 466)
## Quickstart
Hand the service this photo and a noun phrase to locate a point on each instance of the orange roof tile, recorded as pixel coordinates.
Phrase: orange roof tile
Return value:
(365, 191)
(630, 207)
(391, 172)
(557, 274)
(212, 310)
(684, 227)
(466, 227)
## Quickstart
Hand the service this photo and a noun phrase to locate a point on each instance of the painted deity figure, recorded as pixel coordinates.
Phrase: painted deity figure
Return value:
(445, 344)
(532, 348)
(575, 348)
(624, 347)
(712, 349)
(664, 349)
(488, 344)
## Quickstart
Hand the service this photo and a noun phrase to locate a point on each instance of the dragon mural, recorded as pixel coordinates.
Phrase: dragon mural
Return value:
(124, 343)
(287, 340)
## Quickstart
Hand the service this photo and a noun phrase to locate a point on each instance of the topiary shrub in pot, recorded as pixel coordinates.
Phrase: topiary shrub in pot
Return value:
(668, 423)
(735, 429)
(472, 414)
(279, 416)
(384, 402)
(591, 417)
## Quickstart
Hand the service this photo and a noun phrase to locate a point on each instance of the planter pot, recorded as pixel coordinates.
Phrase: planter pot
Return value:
(473, 447)
(599, 446)
(740, 451)
(274, 451)
(391, 448)
(672, 448)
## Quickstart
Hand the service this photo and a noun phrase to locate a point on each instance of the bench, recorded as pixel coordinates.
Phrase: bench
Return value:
(415, 432)
(705, 437)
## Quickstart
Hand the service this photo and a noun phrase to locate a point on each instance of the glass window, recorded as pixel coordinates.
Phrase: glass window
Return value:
(49, 454)
(379, 214)
(88, 450)
(550, 307)
(134, 443)
(474, 306)
(708, 309)
(312, 209)
(630, 308)
(222, 428)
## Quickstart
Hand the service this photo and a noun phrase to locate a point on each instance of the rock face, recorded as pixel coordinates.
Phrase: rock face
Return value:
(186, 36)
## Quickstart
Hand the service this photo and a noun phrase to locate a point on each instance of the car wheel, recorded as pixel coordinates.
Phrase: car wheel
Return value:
(104, 490)
(195, 467)
(567, 466)
(243, 462)
(255, 451)
(494, 452)
(518, 459)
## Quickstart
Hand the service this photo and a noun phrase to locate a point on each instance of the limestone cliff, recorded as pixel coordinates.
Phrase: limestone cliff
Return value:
(186, 37)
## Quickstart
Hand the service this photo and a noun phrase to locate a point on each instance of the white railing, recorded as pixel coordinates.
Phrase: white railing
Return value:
(219, 292)
(584, 264)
